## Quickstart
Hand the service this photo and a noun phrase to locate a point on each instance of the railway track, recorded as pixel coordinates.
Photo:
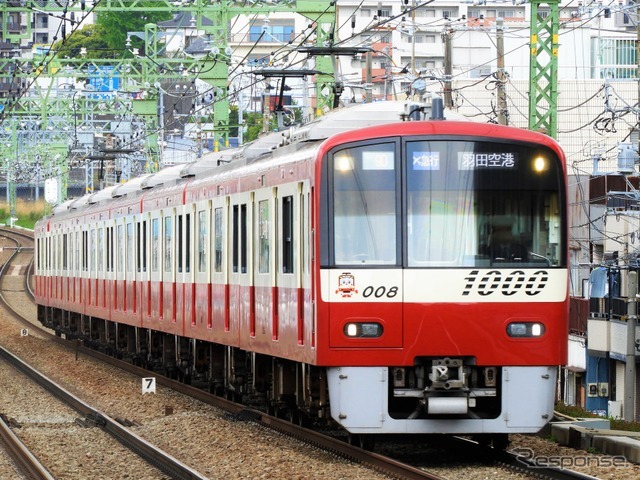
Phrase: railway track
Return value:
(388, 466)
(25, 463)
(140, 447)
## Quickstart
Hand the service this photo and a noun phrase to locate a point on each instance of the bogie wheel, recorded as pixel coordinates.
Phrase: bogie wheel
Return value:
(500, 441)
(362, 440)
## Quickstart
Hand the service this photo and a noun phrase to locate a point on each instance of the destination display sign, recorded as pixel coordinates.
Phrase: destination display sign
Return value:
(425, 160)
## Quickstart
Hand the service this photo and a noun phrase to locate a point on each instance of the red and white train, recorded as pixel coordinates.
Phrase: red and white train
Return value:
(356, 268)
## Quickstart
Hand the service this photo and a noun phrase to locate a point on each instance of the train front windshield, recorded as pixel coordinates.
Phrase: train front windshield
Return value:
(443, 203)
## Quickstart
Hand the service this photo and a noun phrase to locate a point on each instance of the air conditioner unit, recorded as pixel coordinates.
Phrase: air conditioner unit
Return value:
(615, 409)
(622, 20)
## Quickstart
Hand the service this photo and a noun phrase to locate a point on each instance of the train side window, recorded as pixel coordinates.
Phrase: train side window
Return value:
(120, 247)
(60, 252)
(155, 245)
(235, 235)
(239, 258)
(305, 234)
(138, 256)
(219, 236)
(92, 251)
(109, 239)
(243, 238)
(180, 248)
(287, 234)
(100, 249)
(71, 251)
(263, 236)
(187, 234)
(144, 246)
(110, 249)
(77, 251)
(141, 249)
(202, 238)
(167, 244)
(85, 250)
(129, 247)
(65, 254)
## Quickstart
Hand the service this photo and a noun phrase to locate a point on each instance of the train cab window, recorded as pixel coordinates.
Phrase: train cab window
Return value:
(202, 239)
(155, 245)
(263, 236)
(365, 203)
(167, 244)
(480, 203)
(218, 241)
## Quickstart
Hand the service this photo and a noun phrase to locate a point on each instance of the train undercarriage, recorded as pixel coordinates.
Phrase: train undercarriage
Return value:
(287, 389)
(437, 389)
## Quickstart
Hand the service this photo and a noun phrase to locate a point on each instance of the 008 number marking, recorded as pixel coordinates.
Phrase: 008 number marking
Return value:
(380, 292)
(506, 284)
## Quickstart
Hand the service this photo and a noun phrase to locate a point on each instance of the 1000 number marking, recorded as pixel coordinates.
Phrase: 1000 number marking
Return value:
(506, 284)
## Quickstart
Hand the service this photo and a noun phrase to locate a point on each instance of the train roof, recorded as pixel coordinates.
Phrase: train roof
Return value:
(340, 120)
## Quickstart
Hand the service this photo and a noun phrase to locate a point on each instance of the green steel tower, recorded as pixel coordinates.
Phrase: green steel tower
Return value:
(543, 69)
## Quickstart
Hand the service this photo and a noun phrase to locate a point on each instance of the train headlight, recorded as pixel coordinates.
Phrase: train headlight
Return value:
(540, 164)
(363, 330)
(525, 329)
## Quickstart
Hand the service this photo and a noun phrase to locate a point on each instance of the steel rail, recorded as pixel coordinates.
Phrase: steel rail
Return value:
(26, 462)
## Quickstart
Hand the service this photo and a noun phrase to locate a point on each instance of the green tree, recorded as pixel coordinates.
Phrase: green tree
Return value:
(117, 25)
(90, 37)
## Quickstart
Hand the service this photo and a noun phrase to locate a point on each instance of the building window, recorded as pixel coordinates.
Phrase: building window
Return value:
(271, 33)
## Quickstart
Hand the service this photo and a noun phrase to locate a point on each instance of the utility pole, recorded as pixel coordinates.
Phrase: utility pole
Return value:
(502, 95)
(632, 307)
(413, 38)
(368, 81)
(448, 65)
(638, 60)
(630, 369)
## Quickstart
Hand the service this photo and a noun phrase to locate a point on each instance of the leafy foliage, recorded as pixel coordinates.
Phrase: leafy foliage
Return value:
(117, 26)
(89, 37)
